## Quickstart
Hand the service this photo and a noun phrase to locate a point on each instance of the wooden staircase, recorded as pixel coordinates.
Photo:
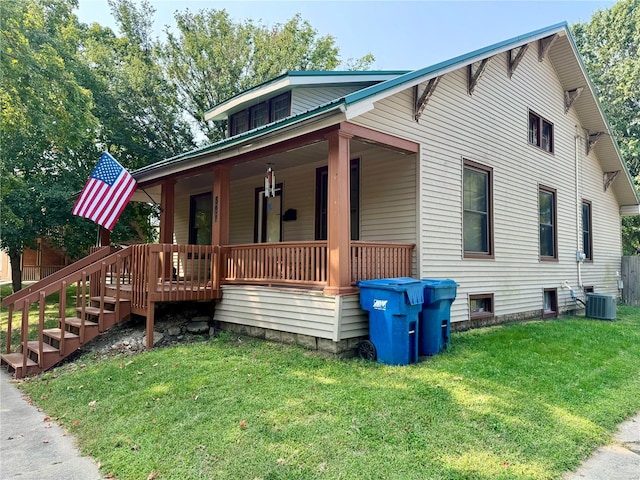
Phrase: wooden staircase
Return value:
(99, 306)
(110, 285)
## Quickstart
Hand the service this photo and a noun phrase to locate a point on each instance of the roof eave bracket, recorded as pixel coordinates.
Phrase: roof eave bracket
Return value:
(515, 60)
(609, 177)
(592, 140)
(544, 45)
(571, 96)
(421, 103)
(473, 77)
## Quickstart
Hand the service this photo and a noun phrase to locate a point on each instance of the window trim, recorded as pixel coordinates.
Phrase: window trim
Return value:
(273, 100)
(193, 235)
(490, 255)
(589, 256)
(540, 121)
(354, 183)
(554, 194)
(485, 314)
(261, 230)
(249, 111)
(553, 313)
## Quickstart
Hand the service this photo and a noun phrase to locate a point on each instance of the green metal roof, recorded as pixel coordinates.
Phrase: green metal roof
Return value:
(380, 88)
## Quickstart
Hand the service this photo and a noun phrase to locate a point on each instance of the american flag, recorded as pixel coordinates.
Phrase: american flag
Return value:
(106, 193)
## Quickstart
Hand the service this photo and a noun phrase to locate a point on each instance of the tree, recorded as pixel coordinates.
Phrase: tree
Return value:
(141, 120)
(610, 46)
(47, 121)
(211, 58)
(68, 92)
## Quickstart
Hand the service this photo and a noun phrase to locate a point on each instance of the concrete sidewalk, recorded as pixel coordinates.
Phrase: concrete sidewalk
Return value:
(618, 461)
(32, 447)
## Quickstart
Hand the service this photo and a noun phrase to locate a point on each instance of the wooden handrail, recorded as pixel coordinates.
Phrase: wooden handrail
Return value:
(281, 263)
(75, 276)
(77, 273)
(99, 254)
(371, 260)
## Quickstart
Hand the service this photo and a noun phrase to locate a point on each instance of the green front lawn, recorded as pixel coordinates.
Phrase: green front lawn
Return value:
(523, 401)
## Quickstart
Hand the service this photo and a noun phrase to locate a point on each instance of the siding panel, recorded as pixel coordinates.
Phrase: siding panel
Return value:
(490, 127)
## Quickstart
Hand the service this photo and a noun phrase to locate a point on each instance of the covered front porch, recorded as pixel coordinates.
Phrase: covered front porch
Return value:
(343, 208)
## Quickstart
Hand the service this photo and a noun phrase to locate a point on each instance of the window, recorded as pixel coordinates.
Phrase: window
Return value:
(239, 123)
(548, 228)
(540, 132)
(274, 109)
(481, 305)
(200, 213)
(322, 190)
(478, 214)
(587, 235)
(280, 107)
(550, 309)
(259, 115)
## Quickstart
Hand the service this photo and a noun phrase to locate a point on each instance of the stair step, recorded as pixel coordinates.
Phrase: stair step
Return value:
(56, 335)
(15, 360)
(46, 348)
(95, 311)
(77, 322)
(110, 300)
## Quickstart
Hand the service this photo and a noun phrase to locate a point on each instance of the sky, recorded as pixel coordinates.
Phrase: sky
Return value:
(402, 35)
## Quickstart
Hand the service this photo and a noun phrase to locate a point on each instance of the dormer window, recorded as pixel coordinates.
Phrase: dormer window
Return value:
(272, 110)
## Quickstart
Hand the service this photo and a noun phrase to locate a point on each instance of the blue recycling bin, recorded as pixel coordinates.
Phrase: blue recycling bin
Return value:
(434, 320)
(393, 305)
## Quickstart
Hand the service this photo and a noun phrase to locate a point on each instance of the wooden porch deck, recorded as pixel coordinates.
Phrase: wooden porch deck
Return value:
(110, 285)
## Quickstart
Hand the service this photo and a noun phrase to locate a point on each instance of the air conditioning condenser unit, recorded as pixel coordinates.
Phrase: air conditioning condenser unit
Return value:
(601, 306)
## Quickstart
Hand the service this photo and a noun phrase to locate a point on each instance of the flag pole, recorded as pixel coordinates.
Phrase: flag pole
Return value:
(151, 198)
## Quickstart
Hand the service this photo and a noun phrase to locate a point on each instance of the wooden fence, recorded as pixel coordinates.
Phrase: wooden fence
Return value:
(631, 280)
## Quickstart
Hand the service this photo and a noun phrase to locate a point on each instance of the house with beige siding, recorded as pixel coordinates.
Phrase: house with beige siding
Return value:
(496, 169)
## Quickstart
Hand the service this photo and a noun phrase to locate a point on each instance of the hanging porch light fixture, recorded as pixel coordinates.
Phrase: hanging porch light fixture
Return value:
(270, 182)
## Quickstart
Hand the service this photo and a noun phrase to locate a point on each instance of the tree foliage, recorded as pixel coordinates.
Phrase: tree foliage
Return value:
(47, 121)
(211, 58)
(68, 92)
(610, 46)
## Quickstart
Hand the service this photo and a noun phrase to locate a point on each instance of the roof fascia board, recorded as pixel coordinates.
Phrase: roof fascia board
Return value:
(226, 149)
(219, 112)
(298, 79)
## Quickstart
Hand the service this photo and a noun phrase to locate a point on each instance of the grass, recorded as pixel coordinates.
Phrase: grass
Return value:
(50, 314)
(522, 401)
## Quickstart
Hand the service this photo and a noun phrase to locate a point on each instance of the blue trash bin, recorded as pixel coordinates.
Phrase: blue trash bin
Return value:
(434, 321)
(393, 305)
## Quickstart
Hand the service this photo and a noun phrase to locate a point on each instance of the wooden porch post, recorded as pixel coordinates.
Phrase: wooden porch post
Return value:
(105, 237)
(167, 209)
(167, 205)
(221, 190)
(220, 221)
(338, 215)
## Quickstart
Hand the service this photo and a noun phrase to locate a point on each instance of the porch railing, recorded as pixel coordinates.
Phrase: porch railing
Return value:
(305, 263)
(282, 263)
(182, 272)
(32, 273)
(371, 260)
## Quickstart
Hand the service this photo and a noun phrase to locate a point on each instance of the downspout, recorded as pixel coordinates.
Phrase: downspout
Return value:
(579, 254)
